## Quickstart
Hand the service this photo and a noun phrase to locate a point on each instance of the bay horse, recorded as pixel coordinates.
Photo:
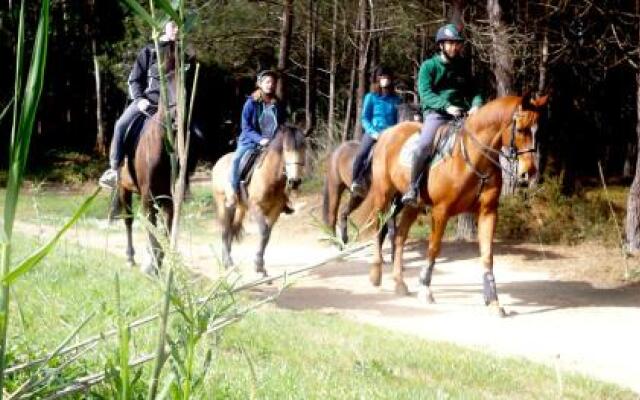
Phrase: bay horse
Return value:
(147, 171)
(338, 178)
(278, 169)
(469, 180)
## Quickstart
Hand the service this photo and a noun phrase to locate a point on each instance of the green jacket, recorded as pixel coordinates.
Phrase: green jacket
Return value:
(443, 84)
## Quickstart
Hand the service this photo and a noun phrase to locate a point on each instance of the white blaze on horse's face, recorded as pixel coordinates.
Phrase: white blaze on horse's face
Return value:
(293, 165)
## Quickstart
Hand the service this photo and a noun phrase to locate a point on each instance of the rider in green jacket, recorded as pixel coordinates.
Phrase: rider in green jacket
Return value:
(446, 90)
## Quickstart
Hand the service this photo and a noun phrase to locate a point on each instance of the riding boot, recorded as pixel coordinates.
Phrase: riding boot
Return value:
(410, 198)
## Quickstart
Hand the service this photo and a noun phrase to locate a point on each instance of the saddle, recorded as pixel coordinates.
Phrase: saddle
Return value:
(443, 144)
(248, 164)
(132, 135)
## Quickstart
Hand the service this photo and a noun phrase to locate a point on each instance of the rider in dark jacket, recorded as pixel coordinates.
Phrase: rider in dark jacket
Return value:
(144, 91)
(446, 90)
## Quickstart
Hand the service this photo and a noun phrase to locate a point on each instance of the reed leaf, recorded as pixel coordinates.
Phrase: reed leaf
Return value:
(141, 12)
(166, 6)
(31, 261)
(8, 106)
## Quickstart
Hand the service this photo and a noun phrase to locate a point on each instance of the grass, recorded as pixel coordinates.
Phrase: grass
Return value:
(294, 355)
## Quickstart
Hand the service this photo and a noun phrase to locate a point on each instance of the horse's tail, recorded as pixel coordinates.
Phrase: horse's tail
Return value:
(236, 227)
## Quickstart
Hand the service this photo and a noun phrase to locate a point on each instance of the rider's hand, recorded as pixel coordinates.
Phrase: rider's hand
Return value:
(454, 111)
(264, 142)
(143, 104)
(472, 110)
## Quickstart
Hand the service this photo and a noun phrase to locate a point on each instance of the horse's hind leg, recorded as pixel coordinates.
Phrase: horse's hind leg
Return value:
(486, 229)
(438, 224)
(354, 202)
(227, 234)
(125, 198)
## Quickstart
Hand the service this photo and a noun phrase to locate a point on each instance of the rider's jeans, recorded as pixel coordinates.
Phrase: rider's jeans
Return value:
(119, 131)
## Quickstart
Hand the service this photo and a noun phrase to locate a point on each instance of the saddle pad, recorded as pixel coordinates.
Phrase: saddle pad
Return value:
(408, 150)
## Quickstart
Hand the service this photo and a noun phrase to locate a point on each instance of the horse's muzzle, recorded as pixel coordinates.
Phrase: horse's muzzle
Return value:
(293, 184)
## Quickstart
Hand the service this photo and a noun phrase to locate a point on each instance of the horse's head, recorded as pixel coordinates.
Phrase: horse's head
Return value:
(293, 145)
(520, 139)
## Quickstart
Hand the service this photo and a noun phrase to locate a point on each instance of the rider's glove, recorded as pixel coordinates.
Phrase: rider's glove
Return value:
(454, 111)
(143, 104)
(264, 142)
(472, 110)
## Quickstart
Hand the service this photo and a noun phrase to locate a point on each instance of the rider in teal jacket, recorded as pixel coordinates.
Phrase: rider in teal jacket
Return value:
(379, 111)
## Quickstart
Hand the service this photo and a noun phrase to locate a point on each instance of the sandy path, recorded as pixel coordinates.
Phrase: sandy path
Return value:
(564, 322)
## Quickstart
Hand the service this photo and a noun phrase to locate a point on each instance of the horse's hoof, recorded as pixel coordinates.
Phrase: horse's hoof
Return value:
(401, 289)
(375, 279)
(425, 296)
(496, 309)
(131, 263)
(149, 269)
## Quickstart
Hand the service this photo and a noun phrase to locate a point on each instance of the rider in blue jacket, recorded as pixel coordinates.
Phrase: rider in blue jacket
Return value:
(379, 111)
(262, 115)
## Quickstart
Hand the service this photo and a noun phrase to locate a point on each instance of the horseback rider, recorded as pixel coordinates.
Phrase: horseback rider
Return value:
(144, 91)
(380, 111)
(446, 90)
(262, 115)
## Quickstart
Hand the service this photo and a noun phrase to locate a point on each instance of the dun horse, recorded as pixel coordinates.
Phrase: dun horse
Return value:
(278, 169)
(339, 177)
(147, 171)
(469, 180)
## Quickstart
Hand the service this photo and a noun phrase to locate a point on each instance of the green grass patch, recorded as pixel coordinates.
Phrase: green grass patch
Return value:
(306, 355)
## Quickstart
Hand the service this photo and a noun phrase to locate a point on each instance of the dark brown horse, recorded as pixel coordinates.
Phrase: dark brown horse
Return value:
(147, 171)
(469, 180)
(278, 170)
(338, 178)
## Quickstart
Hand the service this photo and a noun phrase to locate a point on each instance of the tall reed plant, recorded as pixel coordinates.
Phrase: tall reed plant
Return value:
(25, 105)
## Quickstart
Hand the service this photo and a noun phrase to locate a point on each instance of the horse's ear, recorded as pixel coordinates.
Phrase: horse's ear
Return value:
(540, 101)
(525, 104)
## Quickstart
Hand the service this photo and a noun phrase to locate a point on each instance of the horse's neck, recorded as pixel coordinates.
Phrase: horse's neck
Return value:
(269, 172)
(482, 146)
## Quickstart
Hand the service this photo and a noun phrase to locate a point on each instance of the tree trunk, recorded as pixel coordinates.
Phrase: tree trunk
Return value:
(363, 49)
(310, 74)
(349, 111)
(332, 73)
(502, 63)
(285, 44)
(633, 201)
(101, 140)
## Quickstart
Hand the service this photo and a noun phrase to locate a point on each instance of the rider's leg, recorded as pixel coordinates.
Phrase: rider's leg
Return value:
(234, 175)
(359, 162)
(109, 178)
(432, 121)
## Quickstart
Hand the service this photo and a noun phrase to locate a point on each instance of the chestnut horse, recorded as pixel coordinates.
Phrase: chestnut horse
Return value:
(469, 180)
(147, 171)
(338, 178)
(278, 169)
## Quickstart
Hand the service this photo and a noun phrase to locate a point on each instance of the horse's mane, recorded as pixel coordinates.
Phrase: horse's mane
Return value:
(495, 112)
(289, 133)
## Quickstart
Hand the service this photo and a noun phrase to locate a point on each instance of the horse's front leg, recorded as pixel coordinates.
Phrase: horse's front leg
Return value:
(438, 224)
(264, 227)
(124, 197)
(152, 263)
(407, 218)
(487, 219)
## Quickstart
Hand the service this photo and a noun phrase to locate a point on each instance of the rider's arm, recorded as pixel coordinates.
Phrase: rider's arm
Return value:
(428, 98)
(138, 75)
(247, 122)
(367, 116)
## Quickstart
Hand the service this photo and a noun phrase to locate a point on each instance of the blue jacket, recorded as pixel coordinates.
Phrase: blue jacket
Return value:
(251, 133)
(379, 112)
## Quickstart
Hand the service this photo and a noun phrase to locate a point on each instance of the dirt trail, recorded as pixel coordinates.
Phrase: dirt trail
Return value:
(557, 317)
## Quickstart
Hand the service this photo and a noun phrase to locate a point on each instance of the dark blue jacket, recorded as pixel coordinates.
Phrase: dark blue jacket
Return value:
(251, 134)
